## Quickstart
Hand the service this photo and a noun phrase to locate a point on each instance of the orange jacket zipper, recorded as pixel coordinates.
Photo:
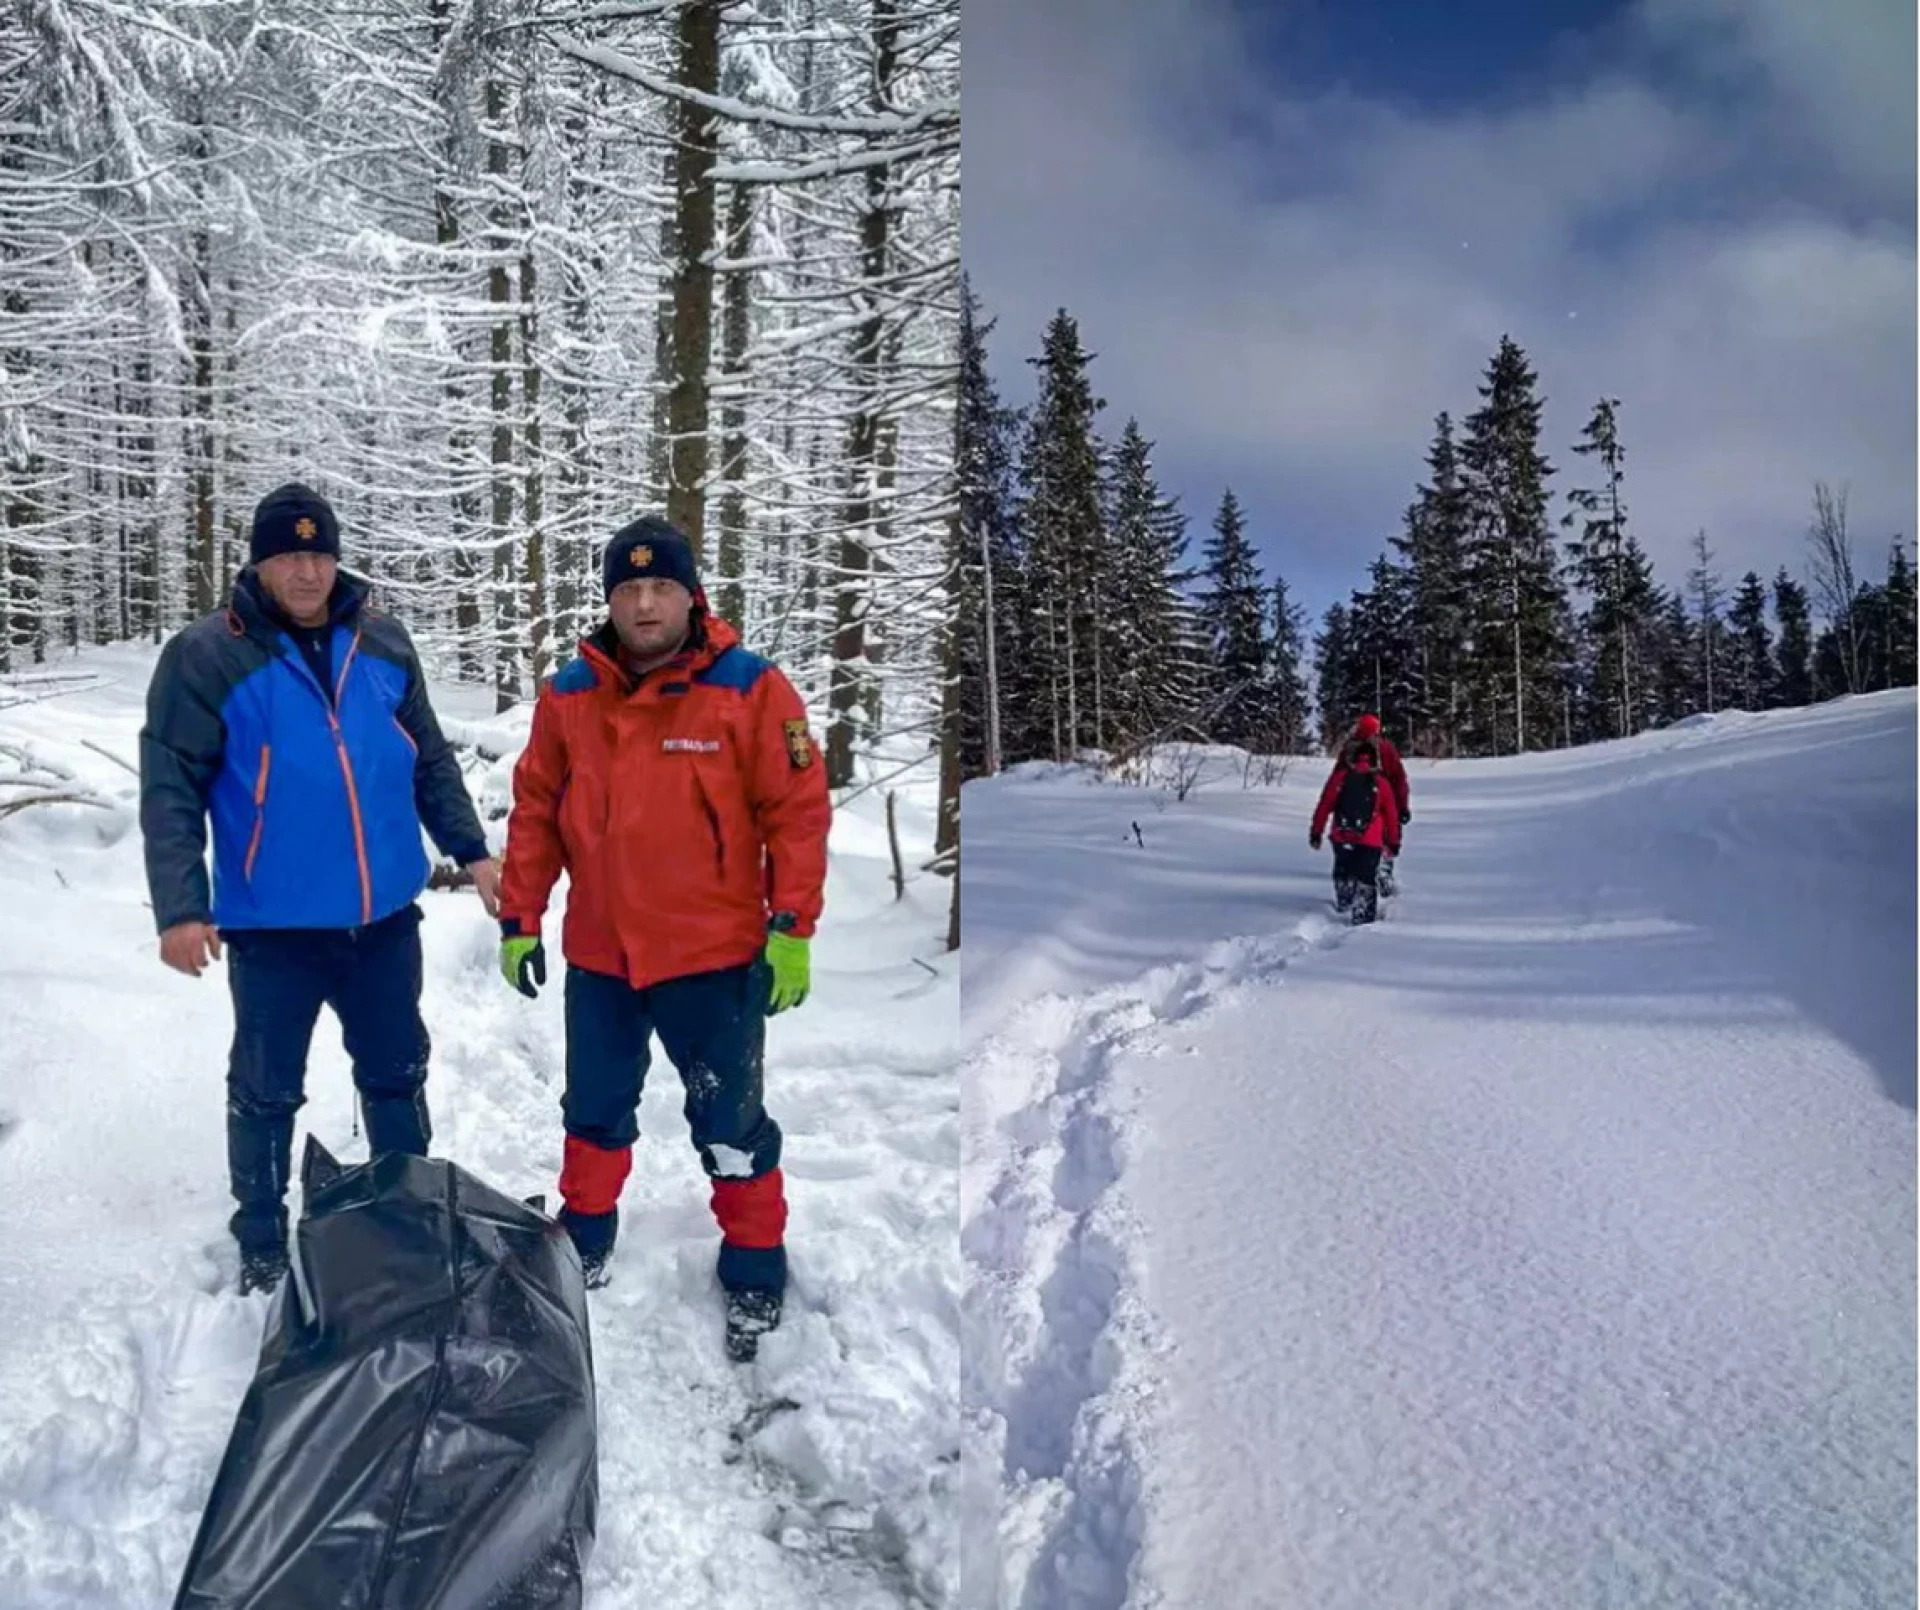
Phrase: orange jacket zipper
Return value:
(353, 794)
(259, 806)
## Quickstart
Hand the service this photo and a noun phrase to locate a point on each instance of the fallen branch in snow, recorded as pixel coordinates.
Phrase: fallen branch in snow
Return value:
(9, 806)
(101, 749)
(41, 782)
(36, 687)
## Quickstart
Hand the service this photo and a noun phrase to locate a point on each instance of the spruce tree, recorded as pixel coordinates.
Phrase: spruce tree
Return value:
(1152, 677)
(1675, 679)
(1287, 701)
(1793, 654)
(1381, 648)
(1899, 600)
(1065, 543)
(1433, 545)
(1703, 586)
(987, 586)
(1750, 646)
(1610, 569)
(1232, 606)
(1333, 675)
(1517, 605)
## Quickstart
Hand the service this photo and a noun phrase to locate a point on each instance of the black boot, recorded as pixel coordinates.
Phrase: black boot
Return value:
(259, 1156)
(750, 1315)
(1342, 894)
(593, 1236)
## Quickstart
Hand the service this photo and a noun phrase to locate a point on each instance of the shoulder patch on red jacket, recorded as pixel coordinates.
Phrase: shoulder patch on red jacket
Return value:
(799, 744)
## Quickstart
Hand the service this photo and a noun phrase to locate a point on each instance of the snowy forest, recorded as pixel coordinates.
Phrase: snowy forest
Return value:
(1486, 627)
(495, 276)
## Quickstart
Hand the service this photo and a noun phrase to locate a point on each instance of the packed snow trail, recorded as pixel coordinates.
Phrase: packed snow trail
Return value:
(822, 1474)
(1549, 1244)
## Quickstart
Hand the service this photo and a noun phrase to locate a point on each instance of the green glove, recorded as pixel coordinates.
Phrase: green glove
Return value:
(792, 971)
(520, 957)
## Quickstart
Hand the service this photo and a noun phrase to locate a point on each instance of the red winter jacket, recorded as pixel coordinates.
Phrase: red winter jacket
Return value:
(1383, 832)
(1390, 765)
(685, 810)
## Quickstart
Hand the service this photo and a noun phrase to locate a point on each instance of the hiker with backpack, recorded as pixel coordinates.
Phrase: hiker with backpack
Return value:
(1395, 773)
(1364, 812)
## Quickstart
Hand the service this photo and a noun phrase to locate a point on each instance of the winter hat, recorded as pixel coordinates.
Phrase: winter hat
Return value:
(293, 519)
(1367, 727)
(650, 547)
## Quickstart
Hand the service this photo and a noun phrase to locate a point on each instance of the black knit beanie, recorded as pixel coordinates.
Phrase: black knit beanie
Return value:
(650, 547)
(293, 519)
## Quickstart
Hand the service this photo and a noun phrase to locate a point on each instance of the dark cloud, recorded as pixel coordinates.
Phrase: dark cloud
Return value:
(1714, 223)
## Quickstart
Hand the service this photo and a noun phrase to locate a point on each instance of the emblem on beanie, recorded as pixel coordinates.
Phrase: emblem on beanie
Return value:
(641, 557)
(799, 745)
(304, 528)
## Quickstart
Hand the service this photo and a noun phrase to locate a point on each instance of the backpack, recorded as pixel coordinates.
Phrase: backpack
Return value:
(1353, 809)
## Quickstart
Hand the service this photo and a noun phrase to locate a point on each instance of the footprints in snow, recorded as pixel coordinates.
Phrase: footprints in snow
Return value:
(1060, 1422)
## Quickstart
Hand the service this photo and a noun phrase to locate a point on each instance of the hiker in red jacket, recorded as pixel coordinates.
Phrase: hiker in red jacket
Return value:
(1368, 726)
(1365, 814)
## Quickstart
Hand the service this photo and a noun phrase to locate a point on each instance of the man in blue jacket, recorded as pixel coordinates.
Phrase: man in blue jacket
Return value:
(297, 720)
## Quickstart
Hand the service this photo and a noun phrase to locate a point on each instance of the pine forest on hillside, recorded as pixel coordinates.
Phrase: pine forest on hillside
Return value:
(496, 276)
(1488, 627)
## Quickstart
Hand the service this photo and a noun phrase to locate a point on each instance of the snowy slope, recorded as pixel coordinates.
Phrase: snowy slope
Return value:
(124, 1353)
(1551, 1244)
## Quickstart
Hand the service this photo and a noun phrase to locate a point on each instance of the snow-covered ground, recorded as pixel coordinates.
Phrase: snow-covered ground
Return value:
(124, 1352)
(1550, 1244)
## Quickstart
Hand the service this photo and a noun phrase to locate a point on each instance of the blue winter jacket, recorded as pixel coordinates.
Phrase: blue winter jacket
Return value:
(317, 796)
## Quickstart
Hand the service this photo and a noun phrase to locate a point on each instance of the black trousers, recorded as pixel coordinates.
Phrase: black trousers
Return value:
(1356, 880)
(280, 978)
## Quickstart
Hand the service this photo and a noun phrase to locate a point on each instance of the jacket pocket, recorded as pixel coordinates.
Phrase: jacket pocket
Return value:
(259, 807)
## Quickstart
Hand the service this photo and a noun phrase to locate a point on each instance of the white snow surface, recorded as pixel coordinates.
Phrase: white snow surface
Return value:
(1550, 1244)
(124, 1350)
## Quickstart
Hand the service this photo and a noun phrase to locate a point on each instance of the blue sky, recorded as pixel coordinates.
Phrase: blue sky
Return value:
(1294, 232)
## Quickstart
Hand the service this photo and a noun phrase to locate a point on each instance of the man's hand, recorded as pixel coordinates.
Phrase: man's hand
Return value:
(1313, 841)
(486, 882)
(792, 971)
(523, 963)
(186, 947)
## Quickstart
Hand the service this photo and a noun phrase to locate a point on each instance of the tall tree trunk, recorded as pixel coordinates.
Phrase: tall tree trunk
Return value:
(993, 655)
(464, 497)
(696, 146)
(203, 569)
(533, 494)
(852, 595)
(506, 674)
(736, 327)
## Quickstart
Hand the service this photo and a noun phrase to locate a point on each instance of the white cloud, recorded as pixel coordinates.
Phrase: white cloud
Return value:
(1287, 297)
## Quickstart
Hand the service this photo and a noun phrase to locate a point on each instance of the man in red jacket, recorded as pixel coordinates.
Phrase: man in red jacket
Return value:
(1366, 822)
(1368, 726)
(671, 774)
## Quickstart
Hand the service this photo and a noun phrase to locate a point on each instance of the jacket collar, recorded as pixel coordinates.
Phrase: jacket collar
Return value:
(259, 616)
(708, 639)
